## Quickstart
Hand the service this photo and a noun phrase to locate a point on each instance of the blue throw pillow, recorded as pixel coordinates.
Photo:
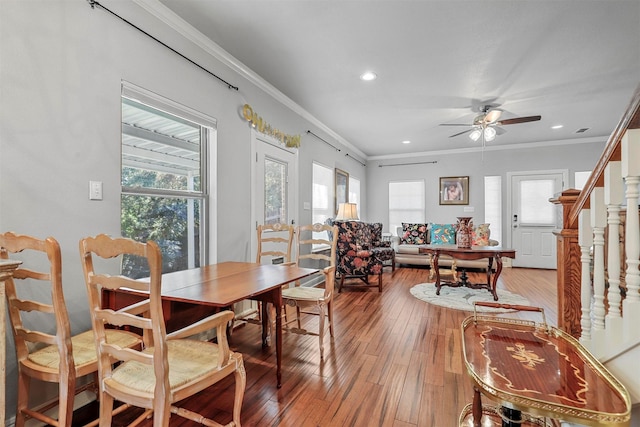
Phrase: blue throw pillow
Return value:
(443, 234)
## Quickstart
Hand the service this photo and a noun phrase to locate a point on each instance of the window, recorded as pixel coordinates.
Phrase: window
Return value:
(493, 206)
(535, 208)
(406, 203)
(354, 193)
(164, 179)
(580, 179)
(275, 191)
(322, 199)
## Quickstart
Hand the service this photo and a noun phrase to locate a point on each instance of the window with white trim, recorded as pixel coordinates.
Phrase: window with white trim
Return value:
(164, 179)
(406, 203)
(493, 206)
(354, 194)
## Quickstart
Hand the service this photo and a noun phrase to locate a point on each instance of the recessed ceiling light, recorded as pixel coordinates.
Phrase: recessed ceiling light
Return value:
(368, 76)
(406, 142)
(557, 127)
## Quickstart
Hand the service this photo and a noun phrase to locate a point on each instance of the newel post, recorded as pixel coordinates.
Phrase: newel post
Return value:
(569, 267)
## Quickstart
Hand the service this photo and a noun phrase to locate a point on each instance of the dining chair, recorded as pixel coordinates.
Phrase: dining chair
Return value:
(172, 366)
(42, 354)
(275, 242)
(316, 244)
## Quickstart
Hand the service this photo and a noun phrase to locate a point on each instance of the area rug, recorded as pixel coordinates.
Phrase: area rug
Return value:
(462, 298)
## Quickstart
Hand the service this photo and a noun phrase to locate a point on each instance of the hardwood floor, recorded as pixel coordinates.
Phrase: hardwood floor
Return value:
(394, 361)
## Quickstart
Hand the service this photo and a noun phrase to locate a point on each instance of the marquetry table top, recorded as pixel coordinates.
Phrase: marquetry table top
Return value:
(542, 371)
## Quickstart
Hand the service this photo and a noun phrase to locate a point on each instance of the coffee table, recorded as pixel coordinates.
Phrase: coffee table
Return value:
(534, 370)
(473, 253)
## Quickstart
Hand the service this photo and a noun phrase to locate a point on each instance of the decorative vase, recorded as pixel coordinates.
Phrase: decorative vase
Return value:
(463, 231)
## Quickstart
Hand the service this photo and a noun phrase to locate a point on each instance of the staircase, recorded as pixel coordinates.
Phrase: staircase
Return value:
(598, 256)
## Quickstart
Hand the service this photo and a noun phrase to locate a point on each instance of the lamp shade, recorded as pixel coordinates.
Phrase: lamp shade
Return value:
(347, 212)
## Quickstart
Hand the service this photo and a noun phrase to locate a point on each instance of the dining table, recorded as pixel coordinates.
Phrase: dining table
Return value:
(223, 284)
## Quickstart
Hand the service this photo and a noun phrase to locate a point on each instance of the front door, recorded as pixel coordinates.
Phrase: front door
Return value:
(534, 218)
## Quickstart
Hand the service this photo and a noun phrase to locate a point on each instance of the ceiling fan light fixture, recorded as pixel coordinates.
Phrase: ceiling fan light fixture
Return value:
(475, 135)
(489, 134)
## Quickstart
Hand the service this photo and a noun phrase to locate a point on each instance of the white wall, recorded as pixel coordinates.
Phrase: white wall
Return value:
(476, 165)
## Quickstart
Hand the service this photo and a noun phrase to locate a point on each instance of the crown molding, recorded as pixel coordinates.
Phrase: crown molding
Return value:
(602, 139)
(186, 30)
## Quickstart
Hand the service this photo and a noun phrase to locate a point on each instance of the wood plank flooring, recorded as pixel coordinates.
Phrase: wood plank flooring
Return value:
(394, 361)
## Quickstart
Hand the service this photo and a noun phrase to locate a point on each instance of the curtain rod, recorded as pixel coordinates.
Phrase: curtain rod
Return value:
(329, 144)
(94, 3)
(362, 163)
(405, 164)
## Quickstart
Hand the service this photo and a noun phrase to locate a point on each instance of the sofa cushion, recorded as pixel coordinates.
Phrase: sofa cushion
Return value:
(414, 234)
(443, 234)
(480, 235)
(409, 249)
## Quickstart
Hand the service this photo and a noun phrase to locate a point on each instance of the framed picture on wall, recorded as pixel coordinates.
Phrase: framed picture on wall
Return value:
(454, 190)
(342, 188)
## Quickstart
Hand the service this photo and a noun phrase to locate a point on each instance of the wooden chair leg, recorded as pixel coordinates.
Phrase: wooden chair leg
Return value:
(380, 282)
(106, 409)
(321, 331)
(341, 283)
(330, 313)
(66, 395)
(24, 383)
(241, 382)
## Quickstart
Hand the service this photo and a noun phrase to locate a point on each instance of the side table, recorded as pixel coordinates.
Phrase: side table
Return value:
(533, 369)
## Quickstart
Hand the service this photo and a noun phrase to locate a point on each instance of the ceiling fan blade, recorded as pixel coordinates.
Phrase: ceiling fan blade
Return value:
(492, 116)
(461, 133)
(517, 120)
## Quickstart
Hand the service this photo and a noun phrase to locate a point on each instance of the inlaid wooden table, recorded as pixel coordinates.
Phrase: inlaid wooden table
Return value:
(536, 370)
(224, 284)
(473, 253)
(7, 267)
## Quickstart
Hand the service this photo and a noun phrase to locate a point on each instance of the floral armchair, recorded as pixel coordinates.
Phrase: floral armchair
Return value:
(361, 253)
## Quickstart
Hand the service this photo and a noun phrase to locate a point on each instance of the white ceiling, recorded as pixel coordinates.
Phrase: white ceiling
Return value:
(574, 62)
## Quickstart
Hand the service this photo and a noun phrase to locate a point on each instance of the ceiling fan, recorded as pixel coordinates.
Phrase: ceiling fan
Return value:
(487, 124)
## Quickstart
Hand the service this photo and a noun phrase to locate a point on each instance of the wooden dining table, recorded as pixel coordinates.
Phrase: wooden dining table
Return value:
(224, 284)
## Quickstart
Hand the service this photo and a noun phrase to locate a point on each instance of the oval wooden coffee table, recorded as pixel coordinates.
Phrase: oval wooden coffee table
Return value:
(473, 253)
(539, 370)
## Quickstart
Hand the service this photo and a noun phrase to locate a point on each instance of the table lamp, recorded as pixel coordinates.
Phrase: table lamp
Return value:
(347, 212)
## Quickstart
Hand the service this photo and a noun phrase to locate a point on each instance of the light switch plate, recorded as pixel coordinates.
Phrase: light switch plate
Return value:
(95, 190)
(469, 209)
(306, 206)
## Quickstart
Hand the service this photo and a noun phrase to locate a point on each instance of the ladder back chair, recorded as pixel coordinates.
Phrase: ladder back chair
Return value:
(42, 354)
(172, 367)
(320, 300)
(274, 241)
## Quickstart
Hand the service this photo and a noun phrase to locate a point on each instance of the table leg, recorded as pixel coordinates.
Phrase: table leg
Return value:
(495, 276)
(490, 270)
(476, 409)
(277, 298)
(265, 323)
(437, 268)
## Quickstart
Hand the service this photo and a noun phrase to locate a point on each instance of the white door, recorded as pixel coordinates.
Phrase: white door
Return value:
(534, 218)
(274, 192)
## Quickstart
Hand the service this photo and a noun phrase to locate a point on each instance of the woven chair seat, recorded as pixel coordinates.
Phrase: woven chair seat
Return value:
(188, 360)
(84, 349)
(303, 293)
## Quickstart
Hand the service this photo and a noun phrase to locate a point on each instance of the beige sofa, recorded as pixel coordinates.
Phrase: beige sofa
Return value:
(409, 254)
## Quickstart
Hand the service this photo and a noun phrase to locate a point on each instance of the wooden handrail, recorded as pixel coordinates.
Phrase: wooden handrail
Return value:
(630, 120)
